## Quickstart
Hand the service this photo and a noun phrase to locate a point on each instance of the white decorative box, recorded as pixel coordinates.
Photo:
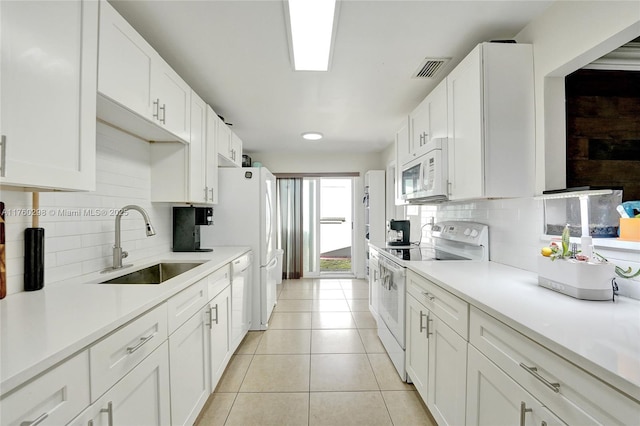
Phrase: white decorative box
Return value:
(582, 280)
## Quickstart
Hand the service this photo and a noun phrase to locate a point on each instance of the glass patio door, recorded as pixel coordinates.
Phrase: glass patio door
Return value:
(327, 226)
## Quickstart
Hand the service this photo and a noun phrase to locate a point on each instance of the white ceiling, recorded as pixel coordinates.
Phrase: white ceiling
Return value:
(235, 55)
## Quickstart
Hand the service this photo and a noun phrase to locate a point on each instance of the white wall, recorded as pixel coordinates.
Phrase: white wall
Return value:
(80, 227)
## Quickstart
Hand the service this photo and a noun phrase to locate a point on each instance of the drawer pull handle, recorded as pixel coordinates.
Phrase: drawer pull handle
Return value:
(35, 422)
(523, 412)
(429, 320)
(143, 340)
(428, 295)
(534, 372)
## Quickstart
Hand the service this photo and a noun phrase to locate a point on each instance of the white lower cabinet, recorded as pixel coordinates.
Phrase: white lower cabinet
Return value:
(436, 358)
(53, 398)
(417, 349)
(158, 369)
(573, 395)
(493, 398)
(140, 398)
(189, 368)
(219, 334)
(447, 379)
(499, 376)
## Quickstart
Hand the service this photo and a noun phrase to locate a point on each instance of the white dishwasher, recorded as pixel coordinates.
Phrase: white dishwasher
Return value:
(241, 282)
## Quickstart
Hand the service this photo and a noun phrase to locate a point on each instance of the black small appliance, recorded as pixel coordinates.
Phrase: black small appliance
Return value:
(186, 227)
(399, 232)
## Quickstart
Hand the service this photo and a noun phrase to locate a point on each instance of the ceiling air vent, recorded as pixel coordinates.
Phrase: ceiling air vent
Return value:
(430, 67)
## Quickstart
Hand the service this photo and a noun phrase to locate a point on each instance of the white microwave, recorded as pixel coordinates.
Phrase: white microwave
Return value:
(425, 178)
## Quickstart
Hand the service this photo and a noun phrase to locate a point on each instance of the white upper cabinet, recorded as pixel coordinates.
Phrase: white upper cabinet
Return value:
(491, 123)
(188, 173)
(236, 149)
(171, 97)
(138, 91)
(211, 157)
(48, 94)
(125, 64)
(229, 146)
(428, 121)
(197, 150)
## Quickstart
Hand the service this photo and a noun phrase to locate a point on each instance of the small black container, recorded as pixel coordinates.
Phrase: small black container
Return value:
(33, 259)
(246, 160)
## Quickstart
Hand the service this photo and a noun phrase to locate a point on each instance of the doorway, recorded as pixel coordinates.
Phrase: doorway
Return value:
(327, 218)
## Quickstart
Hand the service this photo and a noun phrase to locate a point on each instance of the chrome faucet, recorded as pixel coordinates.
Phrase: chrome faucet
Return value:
(118, 253)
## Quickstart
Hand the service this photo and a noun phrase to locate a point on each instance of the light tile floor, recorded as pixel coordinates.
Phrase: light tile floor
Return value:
(320, 363)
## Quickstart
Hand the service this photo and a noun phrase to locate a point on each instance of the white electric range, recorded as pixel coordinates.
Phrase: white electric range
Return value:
(450, 241)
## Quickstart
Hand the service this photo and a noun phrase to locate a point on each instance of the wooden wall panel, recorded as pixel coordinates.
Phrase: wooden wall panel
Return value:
(603, 130)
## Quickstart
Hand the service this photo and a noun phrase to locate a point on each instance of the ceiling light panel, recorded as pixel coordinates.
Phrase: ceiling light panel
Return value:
(312, 136)
(311, 32)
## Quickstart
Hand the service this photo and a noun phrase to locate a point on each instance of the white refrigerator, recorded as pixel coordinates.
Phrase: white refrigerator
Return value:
(245, 216)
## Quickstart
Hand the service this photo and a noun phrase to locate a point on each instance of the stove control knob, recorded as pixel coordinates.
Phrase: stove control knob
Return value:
(474, 233)
(467, 232)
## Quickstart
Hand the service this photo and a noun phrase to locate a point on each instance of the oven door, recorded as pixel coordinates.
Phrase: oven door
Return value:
(391, 298)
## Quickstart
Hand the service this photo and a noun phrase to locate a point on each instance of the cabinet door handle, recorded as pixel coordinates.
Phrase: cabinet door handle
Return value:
(163, 108)
(143, 340)
(109, 411)
(534, 372)
(156, 105)
(3, 153)
(422, 327)
(429, 320)
(449, 188)
(211, 320)
(35, 422)
(211, 190)
(523, 412)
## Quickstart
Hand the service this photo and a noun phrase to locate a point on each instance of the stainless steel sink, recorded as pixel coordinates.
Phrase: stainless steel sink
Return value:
(154, 274)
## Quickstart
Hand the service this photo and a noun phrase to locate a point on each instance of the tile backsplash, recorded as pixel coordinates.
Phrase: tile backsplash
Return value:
(80, 226)
(515, 233)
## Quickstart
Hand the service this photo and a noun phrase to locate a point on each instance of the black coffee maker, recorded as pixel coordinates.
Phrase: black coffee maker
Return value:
(186, 227)
(399, 232)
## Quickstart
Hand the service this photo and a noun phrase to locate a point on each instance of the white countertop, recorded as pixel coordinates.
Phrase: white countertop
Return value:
(41, 328)
(603, 338)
